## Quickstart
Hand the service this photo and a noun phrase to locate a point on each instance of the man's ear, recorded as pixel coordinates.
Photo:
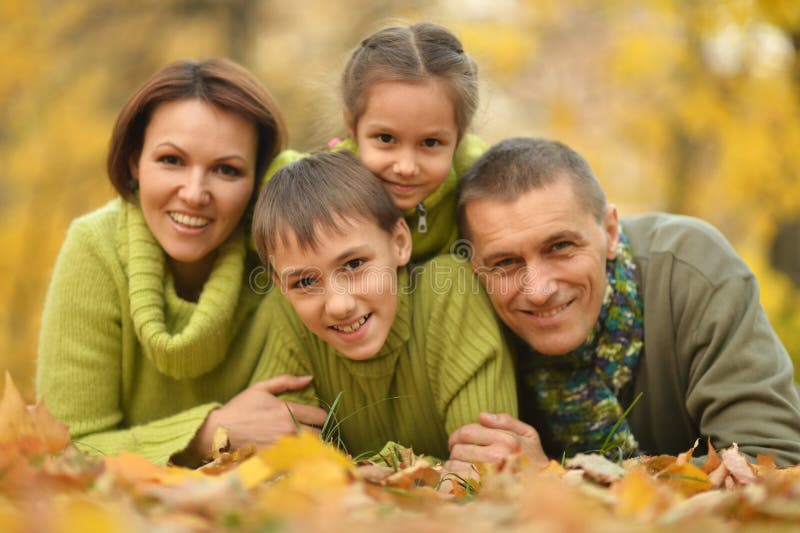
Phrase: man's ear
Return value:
(401, 241)
(611, 227)
(348, 120)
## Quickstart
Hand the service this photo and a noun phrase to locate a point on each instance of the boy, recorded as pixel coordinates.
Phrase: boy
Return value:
(417, 354)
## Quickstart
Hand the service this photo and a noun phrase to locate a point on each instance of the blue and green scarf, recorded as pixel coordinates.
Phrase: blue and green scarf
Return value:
(577, 392)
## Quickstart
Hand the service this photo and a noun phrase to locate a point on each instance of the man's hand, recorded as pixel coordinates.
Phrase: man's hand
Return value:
(493, 439)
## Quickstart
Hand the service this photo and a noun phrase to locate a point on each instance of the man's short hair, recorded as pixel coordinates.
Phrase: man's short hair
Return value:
(517, 165)
(318, 193)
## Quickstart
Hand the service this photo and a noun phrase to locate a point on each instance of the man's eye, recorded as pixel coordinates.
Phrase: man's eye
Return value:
(228, 170)
(385, 138)
(504, 265)
(169, 160)
(561, 245)
(431, 143)
(354, 263)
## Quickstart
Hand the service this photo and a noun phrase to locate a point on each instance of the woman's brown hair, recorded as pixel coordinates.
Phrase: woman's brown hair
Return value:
(219, 82)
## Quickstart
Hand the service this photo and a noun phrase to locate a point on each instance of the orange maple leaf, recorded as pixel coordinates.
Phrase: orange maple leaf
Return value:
(31, 430)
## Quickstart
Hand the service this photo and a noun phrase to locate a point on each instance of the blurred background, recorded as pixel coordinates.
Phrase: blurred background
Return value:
(683, 106)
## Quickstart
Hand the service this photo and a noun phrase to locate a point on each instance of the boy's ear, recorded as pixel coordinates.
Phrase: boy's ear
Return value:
(401, 240)
(348, 120)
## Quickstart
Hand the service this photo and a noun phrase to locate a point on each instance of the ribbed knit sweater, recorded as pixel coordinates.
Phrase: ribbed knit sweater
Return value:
(441, 227)
(443, 362)
(123, 360)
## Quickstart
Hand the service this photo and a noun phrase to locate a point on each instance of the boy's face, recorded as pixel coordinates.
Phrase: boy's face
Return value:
(345, 291)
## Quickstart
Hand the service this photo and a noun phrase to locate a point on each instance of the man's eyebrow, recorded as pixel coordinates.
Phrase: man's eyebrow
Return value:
(565, 235)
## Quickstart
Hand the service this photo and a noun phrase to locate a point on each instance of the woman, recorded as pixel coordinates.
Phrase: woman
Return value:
(150, 327)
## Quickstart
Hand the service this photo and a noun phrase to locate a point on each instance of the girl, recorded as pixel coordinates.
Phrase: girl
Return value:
(409, 96)
(150, 328)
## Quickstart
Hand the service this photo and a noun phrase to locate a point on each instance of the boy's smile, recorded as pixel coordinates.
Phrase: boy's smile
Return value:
(345, 290)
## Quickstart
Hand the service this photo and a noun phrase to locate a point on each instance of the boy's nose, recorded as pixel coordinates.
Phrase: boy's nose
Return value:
(340, 305)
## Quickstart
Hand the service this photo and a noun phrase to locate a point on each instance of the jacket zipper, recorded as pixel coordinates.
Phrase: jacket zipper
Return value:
(422, 223)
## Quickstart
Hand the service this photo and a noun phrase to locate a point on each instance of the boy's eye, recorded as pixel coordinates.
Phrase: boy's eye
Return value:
(228, 170)
(354, 263)
(303, 283)
(385, 138)
(169, 160)
(431, 143)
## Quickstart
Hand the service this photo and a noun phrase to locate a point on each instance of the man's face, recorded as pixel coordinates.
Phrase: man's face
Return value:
(542, 259)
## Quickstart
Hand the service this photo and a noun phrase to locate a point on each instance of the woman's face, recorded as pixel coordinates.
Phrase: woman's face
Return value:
(196, 176)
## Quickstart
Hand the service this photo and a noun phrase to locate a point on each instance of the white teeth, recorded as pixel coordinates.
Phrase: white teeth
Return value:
(352, 327)
(188, 220)
(550, 313)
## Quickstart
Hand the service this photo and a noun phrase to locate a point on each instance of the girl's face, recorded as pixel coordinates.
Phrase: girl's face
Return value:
(196, 175)
(407, 136)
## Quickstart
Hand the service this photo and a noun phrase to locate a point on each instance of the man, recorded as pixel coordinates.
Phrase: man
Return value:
(657, 308)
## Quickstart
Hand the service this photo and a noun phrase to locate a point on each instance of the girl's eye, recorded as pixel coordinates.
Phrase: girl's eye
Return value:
(228, 170)
(169, 160)
(385, 138)
(431, 143)
(354, 263)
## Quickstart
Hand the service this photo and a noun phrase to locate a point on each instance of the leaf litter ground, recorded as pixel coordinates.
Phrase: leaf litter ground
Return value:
(304, 484)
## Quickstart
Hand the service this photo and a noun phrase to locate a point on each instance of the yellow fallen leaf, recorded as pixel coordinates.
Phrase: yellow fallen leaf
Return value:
(292, 450)
(253, 471)
(639, 495)
(685, 478)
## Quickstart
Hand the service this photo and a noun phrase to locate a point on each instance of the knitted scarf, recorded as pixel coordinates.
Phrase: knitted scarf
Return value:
(183, 339)
(577, 392)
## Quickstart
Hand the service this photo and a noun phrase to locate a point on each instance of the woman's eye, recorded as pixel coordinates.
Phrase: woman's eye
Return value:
(169, 160)
(385, 138)
(228, 170)
(354, 263)
(431, 143)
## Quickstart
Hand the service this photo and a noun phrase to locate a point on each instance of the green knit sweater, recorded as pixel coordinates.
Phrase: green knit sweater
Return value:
(123, 360)
(436, 231)
(443, 362)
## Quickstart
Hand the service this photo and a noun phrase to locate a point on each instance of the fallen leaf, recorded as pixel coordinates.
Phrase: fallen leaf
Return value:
(34, 430)
(596, 467)
(685, 478)
(738, 466)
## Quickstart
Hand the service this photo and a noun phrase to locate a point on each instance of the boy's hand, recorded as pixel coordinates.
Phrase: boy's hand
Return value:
(493, 439)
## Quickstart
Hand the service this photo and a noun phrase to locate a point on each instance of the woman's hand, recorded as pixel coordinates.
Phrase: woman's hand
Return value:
(492, 440)
(256, 416)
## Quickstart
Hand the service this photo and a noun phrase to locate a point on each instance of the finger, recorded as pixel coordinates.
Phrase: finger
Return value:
(284, 383)
(507, 422)
(307, 414)
(483, 436)
(471, 453)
